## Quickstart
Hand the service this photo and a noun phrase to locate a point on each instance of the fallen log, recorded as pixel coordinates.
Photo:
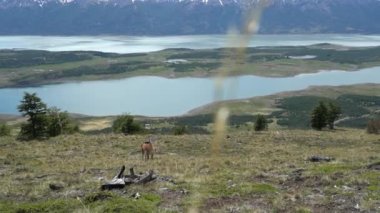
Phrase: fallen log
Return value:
(121, 180)
(117, 182)
(120, 174)
(114, 184)
(146, 178)
(131, 174)
(320, 159)
(374, 166)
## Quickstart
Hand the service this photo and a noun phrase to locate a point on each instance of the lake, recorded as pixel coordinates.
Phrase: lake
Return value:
(133, 44)
(157, 96)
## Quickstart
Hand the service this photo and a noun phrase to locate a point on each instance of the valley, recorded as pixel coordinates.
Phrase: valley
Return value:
(195, 106)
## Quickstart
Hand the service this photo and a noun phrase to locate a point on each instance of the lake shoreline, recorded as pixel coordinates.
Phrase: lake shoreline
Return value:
(190, 75)
(165, 64)
(42, 84)
(175, 97)
(277, 73)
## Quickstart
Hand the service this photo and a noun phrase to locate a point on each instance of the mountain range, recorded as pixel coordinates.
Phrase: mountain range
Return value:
(178, 17)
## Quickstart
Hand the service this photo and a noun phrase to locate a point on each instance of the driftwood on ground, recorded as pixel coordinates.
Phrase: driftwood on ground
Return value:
(121, 180)
(320, 159)
(374, 166)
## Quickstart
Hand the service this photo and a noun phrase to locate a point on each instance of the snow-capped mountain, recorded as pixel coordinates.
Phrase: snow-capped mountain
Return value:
(28, 3)
(164, 17)
(42, 3)
(243, 3)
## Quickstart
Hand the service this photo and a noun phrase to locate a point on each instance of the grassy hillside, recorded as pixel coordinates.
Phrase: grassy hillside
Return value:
(266, 171)
(21, 68)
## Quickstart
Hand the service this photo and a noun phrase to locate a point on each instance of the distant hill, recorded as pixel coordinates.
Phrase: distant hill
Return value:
(178, 17)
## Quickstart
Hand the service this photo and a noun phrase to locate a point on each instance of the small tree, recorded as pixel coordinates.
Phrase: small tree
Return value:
(59, 123)
(319, 117)
(373, 126)
(261, 123)
(180, 130)
(333, 113)
(126, 124)
(5, 130)
(34, 109)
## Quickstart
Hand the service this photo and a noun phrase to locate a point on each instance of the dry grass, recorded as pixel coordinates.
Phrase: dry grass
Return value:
(95, 123)
(253, 171)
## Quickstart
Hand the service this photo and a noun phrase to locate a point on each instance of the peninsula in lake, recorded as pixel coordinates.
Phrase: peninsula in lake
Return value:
(23, 68)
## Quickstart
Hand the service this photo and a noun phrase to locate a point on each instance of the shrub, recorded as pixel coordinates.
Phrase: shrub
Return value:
(42, 122)
(319, 116)
(59, 123)
(126, 124)
(261, 123)
(323, 115)
(373, 126)
(180, 130)
(5, 130)
(333, 114)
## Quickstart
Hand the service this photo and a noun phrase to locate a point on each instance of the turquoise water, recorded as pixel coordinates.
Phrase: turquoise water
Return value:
(157, 96)
(130, 44)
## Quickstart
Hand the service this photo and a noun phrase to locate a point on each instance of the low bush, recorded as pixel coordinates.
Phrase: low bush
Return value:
(126, 124)
(373, 126)
(180, 130)
(5, 130)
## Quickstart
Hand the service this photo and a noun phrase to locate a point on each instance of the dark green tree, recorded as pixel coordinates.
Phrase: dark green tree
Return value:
(5, 130)
(319, 116)
(260, 123)
(34, 109)
(126, 124)
(333, 114)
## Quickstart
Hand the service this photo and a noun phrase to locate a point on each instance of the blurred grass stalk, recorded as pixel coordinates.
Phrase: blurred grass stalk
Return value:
(234, 59)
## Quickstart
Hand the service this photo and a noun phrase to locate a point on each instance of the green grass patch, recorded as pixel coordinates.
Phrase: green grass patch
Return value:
(56, 206)
(97, 202)
(373, 178)
(303, 210)
(327, 169)
(241, 189)
(147, 203)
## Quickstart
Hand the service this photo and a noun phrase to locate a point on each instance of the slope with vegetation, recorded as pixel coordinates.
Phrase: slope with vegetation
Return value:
(266, 171)
(43, 122)
(271, 170)
(358, 103)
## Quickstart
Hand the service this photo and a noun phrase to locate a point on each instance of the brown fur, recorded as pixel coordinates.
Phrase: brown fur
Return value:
(147, 150)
